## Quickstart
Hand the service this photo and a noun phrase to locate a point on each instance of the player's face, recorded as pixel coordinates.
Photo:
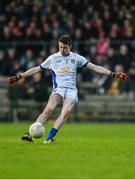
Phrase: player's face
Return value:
(64, 48)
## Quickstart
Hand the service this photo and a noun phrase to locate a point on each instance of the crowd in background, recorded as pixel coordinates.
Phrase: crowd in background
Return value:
(102, 31)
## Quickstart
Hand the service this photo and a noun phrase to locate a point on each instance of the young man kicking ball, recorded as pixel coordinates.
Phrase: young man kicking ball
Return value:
(63, 66)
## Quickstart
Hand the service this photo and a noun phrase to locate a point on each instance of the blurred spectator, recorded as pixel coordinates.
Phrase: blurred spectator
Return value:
(10, 62)
(131, 80)
(20, 90)
(38, 90)
(27, 61)
(111, 58)
(117, 86)
(102, 82)
(102, 46)
(2, 63)
(124, 57)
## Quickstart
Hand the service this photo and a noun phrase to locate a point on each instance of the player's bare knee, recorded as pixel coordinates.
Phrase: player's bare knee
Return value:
(65, 116)
(48, 111)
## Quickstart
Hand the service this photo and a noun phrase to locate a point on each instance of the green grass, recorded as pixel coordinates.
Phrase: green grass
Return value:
(82, 151)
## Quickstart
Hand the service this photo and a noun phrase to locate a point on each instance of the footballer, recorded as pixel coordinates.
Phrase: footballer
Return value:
(63, 66)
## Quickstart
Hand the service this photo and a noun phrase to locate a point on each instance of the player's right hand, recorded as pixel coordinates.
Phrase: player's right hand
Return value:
(14, 79)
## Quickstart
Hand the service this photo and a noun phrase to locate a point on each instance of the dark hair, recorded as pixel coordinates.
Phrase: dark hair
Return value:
(65, 39)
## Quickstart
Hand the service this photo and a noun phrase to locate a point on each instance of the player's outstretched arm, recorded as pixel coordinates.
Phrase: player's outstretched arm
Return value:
(102, 70)
(27, 73)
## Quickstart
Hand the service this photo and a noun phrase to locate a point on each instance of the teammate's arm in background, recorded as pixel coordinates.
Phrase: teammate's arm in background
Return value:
(27, 73)
(102, 70)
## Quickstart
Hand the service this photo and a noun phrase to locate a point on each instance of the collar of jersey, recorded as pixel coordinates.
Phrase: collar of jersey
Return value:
(65, 55)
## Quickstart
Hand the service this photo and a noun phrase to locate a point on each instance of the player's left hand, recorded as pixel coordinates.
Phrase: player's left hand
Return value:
(119, 75)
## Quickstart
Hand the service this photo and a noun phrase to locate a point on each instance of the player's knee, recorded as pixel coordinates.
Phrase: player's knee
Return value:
(48, 111)
(65, 115)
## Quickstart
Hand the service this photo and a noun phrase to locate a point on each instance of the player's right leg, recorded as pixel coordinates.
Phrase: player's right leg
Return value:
(53, 102)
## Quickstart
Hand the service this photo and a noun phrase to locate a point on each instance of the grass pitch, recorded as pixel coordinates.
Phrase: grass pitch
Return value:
(82, 151)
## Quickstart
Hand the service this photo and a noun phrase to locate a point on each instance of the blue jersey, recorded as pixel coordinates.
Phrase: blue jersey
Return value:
(64, 68)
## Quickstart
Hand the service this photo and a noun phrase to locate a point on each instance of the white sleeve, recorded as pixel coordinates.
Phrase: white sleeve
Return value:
(47, 63)
(81, 61)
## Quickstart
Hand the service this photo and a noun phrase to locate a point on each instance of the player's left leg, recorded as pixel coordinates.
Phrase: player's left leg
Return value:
(67, 107)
